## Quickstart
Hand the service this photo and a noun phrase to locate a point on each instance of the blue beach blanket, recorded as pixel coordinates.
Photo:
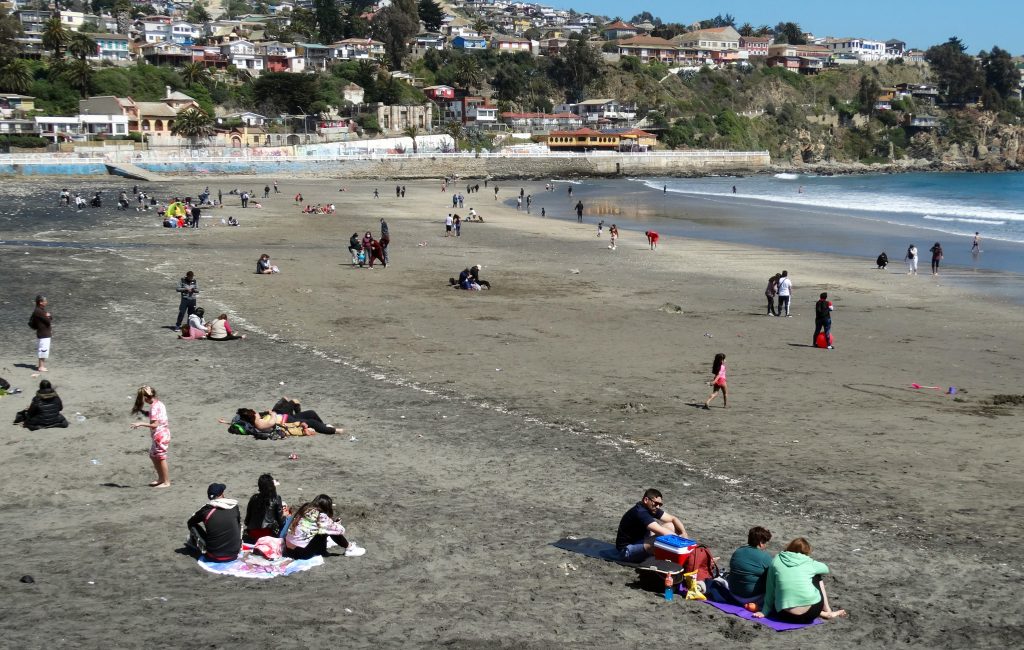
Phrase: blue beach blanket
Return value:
(253, 565)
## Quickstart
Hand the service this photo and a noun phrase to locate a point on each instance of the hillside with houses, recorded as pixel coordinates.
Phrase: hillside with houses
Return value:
(492, 75)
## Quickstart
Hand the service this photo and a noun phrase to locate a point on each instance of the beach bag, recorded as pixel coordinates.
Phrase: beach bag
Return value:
(701, 561)
(271, 548)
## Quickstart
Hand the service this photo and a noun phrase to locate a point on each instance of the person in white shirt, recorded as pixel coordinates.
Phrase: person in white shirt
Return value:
(785, 291)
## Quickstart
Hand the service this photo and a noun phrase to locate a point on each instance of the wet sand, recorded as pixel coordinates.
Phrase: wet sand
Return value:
(488, 425)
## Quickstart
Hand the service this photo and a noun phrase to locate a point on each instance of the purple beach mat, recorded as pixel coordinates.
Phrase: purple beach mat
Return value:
(778, 626)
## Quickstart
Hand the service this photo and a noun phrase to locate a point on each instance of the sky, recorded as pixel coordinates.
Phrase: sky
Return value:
(980, 24)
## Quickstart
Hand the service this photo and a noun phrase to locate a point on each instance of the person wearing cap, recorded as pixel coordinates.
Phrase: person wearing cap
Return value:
(474, 274)
(641, 524)
(215, 530)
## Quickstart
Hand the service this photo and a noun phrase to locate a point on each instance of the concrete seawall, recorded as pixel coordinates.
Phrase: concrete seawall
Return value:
(418, 166)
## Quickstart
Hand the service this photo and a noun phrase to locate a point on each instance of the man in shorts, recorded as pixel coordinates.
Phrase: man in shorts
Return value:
(40, 322)
(641, 524)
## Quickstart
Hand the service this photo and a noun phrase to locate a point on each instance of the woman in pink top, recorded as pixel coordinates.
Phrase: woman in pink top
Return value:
(161, 433)
(718, 382)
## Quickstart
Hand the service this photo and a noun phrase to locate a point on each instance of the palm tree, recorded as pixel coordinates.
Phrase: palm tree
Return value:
(468, 72)
(15, 76)
(480, 26)
(81, 46)
(411, 131)
(123, 11)
(55, 37)
(456, 130)
(194, 124)
(78, 74)
(194, 73)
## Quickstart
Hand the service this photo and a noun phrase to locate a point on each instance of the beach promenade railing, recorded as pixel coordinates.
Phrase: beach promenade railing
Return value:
(200, 156)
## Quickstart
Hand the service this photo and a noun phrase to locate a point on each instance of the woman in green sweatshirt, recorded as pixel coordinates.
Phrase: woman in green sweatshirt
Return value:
(794, 592)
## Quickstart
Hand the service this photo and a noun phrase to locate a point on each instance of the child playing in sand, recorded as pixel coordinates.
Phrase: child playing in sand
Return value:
(613, 234)
(718, 382)
(160, 431)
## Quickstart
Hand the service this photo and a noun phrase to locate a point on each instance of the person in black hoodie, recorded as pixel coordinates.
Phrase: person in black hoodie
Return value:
(266, 513)
(215, 530)
(45, 410)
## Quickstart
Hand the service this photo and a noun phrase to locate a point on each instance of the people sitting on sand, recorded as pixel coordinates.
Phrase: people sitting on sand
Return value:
(641, 524)
(474, 216)
(292, 410)
(215, 530)
(232, 221)
(266, 513)
(311, 527)
(474, 275)
(882, 261)
(264, 267)
(196, 328)
(465, 281)
(220, 330)
(45, 410)
(748, 572)
(794, 590)
(267, 421)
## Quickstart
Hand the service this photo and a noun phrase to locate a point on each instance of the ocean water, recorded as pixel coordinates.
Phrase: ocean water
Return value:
(948, 203)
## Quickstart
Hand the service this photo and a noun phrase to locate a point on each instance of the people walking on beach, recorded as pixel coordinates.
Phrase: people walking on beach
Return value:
(495, 192)
(785, 291)
(449, 222)
(376, 194)
(65, 197)
(634, 539)
(936, 252)
(519, 203)
(41, 321)
(245, 199)
(882, 261)
(403, 191)
(911, 259)
(652, 239)
(146, 401)
(823, 320)
(613, 234)
(976, 244)
(188, 287)
(385, 240)
(570, 191)
(457, 224)
(600, 227)
(718, 381)
(276, 191)
(266, 191)
(376, 252)
(579, 211)
(770, 292)
(398, 191)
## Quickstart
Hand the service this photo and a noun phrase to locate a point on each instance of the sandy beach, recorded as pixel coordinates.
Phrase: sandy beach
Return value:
(488, 425)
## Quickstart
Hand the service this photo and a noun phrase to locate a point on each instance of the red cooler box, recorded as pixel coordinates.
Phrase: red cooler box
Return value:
(673, 548)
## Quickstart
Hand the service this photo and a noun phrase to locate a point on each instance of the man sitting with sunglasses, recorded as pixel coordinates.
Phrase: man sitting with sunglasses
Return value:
(641, 524)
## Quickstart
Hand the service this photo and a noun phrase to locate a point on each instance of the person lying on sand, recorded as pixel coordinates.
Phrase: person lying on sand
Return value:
(794, 591)
(292, 410)
(267, 421)
(641, 524)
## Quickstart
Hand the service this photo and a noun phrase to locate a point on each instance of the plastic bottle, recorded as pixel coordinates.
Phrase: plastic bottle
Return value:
(669, 587)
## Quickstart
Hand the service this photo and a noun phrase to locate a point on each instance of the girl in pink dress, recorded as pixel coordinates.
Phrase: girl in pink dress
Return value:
(718, 382)
(161, 433)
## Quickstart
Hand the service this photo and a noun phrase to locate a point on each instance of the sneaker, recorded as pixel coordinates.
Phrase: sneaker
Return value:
(354, 550)
(830, 348)
(175, 329)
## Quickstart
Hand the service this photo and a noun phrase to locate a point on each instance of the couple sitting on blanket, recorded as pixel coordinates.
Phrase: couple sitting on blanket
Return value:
(789, 588)
(215, 530)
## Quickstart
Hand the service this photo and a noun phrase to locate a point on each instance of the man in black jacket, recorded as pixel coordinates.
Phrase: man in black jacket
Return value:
(188, 287)
(215, 530)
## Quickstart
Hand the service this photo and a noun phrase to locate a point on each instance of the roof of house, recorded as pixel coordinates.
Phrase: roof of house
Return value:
(619, 25)
(583, 131)
(647, 41)
(179, 97)
(757, 39)
(530, 116)
(155, 109)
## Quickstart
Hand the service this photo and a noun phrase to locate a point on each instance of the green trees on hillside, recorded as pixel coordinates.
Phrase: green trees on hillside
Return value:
(394, 25)
(960, 78)
(1002, 77)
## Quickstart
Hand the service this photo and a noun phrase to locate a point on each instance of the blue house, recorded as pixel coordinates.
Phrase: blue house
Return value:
(469, 43)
